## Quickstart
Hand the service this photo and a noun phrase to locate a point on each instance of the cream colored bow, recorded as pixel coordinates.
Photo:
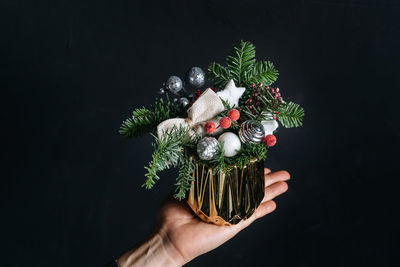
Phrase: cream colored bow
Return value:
(206, 107)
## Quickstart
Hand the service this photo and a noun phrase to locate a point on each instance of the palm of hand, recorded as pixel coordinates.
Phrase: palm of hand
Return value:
(191, 237)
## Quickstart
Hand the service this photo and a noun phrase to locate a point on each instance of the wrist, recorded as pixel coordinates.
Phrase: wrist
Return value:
(156, 251)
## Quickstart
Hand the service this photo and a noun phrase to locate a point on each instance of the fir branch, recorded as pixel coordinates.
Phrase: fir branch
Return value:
(249, 152)
(240, 61)
(263, 72)
(140, 122)
(184, 178)
(221, 163)
(290, 115)
(219, 74)
(167, 153)
(242, 68)
(145, 120)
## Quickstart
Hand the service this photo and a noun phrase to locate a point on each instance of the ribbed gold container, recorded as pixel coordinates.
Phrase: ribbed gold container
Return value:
(225, 199)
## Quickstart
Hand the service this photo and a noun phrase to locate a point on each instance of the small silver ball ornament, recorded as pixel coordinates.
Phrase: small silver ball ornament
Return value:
(174, 84)
(207, 148)
(161, 91)
(195, 77)
(251, 132)
(183, 101)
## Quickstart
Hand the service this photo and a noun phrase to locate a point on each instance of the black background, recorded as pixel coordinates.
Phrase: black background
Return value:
(71, 71)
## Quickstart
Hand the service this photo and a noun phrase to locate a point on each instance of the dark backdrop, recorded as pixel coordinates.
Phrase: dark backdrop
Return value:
(71, 71)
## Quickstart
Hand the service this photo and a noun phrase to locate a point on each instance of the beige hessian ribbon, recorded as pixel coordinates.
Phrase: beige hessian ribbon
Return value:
(206, 107)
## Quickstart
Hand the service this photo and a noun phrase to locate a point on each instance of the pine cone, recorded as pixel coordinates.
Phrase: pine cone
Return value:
(207, 148)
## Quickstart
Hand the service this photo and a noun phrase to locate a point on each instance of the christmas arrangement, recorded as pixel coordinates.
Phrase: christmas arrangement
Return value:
(217, 136)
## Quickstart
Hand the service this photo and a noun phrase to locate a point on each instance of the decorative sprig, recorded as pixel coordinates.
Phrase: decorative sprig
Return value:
(171, 150)
(144, 120)
(263, 72)
(166, 154)
(240, 62)
(220, 162)
(242, 68)
(219, 74)
(184, 178)
(290, 115)
(249, 152)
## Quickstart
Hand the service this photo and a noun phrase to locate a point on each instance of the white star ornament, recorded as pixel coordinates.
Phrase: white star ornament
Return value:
(231, 93)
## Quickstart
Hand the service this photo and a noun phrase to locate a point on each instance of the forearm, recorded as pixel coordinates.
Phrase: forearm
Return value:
(156, 251)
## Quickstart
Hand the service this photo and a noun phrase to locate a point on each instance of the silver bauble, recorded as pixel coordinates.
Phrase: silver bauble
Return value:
(183, 101)
(174, 84)
(207, 148)
(195, 77)
(251, 132)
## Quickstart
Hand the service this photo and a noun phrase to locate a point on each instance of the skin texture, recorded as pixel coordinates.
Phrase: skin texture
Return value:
(180, 236)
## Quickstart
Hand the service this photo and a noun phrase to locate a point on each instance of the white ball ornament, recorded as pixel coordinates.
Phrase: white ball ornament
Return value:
(231, 144)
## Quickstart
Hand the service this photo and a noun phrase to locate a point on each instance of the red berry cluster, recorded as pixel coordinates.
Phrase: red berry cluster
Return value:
(225, 122)
(254, 100)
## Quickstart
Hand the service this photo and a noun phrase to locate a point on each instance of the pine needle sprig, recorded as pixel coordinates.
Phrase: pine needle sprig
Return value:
(167, 153)
(263, 72)
(184, 178)
(219, 74)
(220, 162)
(240, 61)
(290, 115)
(241, 66)
(249, 152)
(145, 120)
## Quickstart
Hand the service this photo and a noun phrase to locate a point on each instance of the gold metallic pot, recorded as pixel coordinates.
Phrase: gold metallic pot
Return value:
(225, 199)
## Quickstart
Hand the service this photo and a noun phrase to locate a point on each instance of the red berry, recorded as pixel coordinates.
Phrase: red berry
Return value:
(270, 140)
(198, 92)
(260, 85)
(234, 114)
(225, 122)
(253, 85)
(209, 127)
(214, 89)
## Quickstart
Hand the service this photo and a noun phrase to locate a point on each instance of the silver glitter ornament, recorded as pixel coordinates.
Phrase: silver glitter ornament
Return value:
(207, 148)
(161, 91)
(174, 84)
(195, 77)
(183, 101)
(251, 132)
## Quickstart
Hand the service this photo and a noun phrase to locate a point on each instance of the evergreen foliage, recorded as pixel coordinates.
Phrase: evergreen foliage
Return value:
(242, 67)
(184, 178)
(172, 150)
(290, 115)
(249, 152)
(144, 120)
(221, 163)
(167, 153)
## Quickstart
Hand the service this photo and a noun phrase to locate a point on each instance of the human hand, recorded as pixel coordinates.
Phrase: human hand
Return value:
(180, 235)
